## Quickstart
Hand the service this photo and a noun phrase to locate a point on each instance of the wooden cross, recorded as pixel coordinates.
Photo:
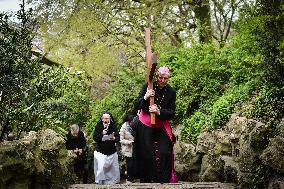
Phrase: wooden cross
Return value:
(151, 61)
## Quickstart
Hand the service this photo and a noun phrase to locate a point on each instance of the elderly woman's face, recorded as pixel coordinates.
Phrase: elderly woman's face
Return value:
(106, 119)
(162, 80)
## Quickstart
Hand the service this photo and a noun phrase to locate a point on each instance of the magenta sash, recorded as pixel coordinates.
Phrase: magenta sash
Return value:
(165, 124)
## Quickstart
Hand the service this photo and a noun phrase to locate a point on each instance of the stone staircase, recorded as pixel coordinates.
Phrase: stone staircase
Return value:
(180, 185)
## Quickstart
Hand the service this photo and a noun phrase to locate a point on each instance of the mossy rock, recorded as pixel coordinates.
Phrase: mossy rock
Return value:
(273, 155)
(39, 160)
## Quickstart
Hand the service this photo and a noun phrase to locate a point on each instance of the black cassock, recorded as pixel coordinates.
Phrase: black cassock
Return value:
(153, 147)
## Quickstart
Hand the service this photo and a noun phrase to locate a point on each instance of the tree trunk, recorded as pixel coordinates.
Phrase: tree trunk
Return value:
(272, 37)
(202, 13)
(4, 129)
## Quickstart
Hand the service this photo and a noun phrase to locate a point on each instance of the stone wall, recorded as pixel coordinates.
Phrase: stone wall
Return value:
(245, 151)
(39, 160)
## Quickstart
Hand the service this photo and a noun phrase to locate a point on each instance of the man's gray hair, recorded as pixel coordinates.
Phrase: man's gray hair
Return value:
(74, 127)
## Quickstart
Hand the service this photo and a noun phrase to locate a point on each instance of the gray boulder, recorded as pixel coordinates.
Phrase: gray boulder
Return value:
(39, 160)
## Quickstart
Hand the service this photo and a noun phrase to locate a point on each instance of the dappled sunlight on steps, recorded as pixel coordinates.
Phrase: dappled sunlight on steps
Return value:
(181, 185)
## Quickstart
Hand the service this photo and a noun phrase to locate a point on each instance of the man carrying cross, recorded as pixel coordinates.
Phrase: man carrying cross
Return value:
(154, 142)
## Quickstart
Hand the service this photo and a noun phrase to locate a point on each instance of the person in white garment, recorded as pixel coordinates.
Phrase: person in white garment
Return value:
(106, 166)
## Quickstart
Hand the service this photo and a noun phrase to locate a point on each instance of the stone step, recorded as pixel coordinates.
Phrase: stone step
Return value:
(182, 185)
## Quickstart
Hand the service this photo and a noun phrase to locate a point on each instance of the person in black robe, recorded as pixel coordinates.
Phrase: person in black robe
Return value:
(154, 143)
(106, 147)
(76, 143)
(106, 165)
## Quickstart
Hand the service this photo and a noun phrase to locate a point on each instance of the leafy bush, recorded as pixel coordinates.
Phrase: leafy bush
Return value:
(33, 95)
(17, 69)
(225, 105)
(199, 74)
(119, 99)
(269, 104)
(212, 82)
(63, 98)
(193, 125)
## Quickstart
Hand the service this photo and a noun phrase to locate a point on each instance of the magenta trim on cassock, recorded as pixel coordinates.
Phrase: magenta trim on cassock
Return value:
(146, 120)
(165, 124)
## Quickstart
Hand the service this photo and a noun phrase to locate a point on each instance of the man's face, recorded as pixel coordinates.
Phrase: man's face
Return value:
(106, 119)
(74, 133)
(162, 80)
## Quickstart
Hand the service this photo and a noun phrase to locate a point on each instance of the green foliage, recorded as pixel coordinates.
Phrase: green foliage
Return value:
(263, 25)
(269, 104)
(270, 34)
(17, 70)
(33, 95)
(193, 125)
(63, 98)
(199, 72)
(212, 82)
(119, 100)
(215, 111)
(224, 106)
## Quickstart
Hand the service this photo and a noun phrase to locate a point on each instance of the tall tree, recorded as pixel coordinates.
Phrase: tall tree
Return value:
(17, 67)
(271, 36)
(223, 12)
(33, 95)
(102, 36)
(202, 13)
